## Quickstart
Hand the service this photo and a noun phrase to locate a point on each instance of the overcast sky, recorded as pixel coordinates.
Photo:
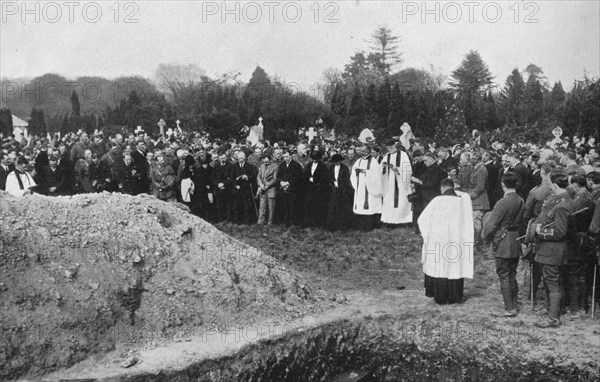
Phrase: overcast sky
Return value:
(562, 37)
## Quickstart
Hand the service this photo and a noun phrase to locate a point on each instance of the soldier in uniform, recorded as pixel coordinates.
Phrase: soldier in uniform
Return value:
(594, 232)
(593, 182)
(502, 228)
(579, 260)
(551, 233)
(533, 207)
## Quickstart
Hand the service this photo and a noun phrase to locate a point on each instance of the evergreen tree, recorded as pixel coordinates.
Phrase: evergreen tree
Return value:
(33, 125)
(537, 73)
(555, 100)
(472, 76)
(470, 80)
(590, 110)
(384, 45)
(338, 107)
(43, 127)
(512, 97)
(453, 129)
(397, 115)
(491, 120)
(37, 123)
(6, 125)
(355, 111)
(370, 100)
(258, 91)
(65, 127)
(571, 111)
(533, 100)
(383, 104)
(75, 112)
(558, 94)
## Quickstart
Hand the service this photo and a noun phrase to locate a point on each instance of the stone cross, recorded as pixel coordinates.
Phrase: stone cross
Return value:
(311, 134)
(161, 125)
(178, 122)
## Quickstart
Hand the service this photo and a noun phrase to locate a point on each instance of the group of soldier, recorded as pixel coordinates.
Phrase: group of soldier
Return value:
(556, 228)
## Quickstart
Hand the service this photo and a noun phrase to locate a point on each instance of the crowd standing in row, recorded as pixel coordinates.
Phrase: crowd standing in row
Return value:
(344, 185)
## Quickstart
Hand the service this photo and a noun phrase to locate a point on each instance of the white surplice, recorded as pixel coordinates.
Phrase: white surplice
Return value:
(396, 187)
(367, 187)
(447, 228)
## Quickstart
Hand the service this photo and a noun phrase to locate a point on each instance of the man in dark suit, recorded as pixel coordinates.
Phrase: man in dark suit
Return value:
(289, 175)
(503, 167)
(4, 169)
(522, 172)
(41, 161)
(535, 179)
(502, 229)
(551, 233)
(446, 160)
(316, 178)
(493, 170)
(243, 178)
(141, 166)
(222, 184)
(53, 178)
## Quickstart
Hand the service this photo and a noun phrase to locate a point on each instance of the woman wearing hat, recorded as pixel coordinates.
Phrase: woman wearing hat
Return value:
(339, 214)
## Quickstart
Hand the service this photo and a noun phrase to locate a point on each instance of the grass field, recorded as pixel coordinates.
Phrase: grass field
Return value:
(383, 259)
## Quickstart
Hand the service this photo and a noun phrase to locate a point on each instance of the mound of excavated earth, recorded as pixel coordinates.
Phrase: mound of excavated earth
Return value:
(80, 275)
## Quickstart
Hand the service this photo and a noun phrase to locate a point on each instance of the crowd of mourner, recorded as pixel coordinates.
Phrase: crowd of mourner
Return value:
(534, 203)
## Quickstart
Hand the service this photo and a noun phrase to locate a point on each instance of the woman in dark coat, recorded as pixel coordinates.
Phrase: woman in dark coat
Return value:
(339, 215)
(418, 166)
(201, 202)
(430, 179)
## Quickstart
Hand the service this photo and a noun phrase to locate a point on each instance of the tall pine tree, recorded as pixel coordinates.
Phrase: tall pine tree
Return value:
(356, 111)
(397, 110)
(383, 105)
(512, 97)
(533, 101)
(75, 119)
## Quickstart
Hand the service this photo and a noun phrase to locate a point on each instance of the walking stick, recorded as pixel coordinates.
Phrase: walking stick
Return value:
(594, 293)
(253, 199)
(531, 283)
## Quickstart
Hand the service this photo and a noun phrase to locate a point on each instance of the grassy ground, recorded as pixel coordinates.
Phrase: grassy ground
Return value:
(380, 260)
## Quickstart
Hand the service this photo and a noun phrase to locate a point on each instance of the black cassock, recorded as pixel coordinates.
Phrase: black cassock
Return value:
(339, 214)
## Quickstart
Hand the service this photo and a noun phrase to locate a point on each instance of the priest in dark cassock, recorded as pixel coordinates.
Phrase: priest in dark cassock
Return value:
(366, 181)
(339, 215)
(396, 179)
(447, 257)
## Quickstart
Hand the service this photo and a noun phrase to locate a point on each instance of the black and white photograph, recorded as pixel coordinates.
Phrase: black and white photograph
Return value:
(309, 190)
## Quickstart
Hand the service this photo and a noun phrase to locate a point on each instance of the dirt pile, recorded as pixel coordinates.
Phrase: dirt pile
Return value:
(80, 275)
